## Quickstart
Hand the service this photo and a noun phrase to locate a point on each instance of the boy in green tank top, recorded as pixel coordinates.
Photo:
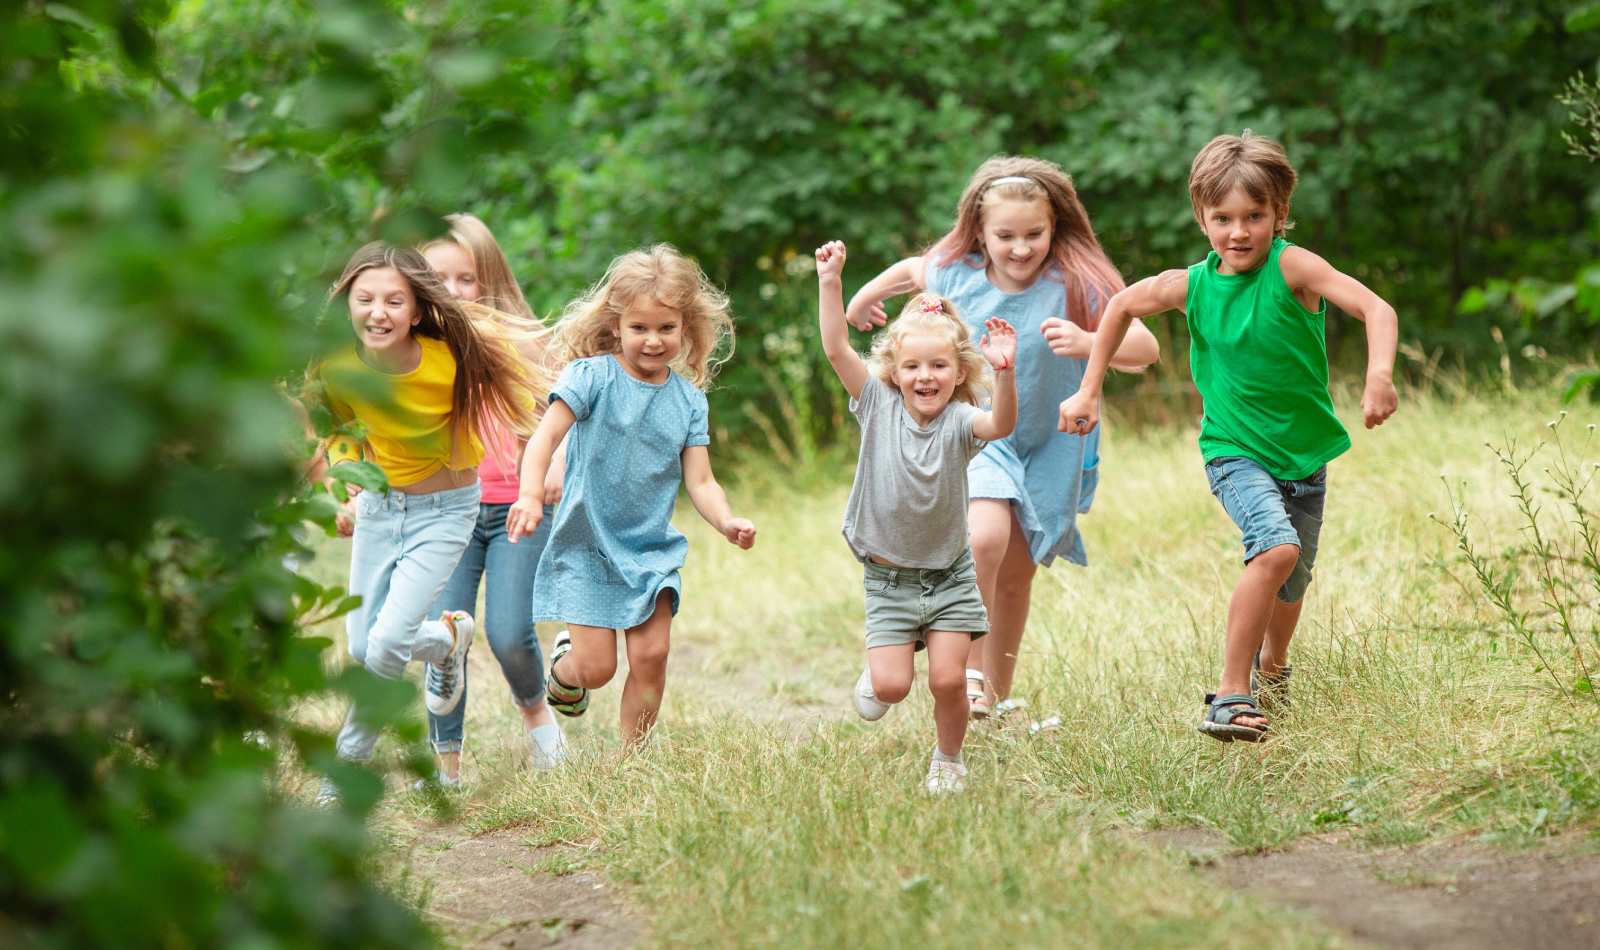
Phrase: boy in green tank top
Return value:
(1255, 309)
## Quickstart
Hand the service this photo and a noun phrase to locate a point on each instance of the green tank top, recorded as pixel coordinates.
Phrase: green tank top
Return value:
(1261, 364)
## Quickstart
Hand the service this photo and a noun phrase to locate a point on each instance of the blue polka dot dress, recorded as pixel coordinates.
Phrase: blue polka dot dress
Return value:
(613, 548)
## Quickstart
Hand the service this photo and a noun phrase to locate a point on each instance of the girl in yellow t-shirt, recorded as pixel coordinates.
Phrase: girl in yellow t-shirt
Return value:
(423, 376)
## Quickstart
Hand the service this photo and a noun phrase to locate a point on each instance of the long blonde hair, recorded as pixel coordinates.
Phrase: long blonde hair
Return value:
(1075, 256)
(491, 381)
(589, 325)
(944, 322)
(501, 296)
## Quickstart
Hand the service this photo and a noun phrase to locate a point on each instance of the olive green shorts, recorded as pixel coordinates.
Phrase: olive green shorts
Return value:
(904, 603)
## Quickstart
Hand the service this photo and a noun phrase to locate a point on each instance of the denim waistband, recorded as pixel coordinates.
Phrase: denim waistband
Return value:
(929, 574)
(448, 498)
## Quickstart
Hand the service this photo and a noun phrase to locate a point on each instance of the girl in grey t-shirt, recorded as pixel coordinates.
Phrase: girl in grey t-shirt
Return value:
(907, 515)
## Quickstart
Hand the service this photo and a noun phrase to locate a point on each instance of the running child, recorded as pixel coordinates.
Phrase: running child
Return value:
(1021, 250)
(642, 345)
(1256, 308)
(906, 520)
(422, 377)
(474, 269)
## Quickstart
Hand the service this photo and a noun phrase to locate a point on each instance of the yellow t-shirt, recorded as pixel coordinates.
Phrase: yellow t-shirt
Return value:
(407, 415)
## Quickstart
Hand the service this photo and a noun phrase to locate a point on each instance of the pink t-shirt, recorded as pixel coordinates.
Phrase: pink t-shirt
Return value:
(500, 485)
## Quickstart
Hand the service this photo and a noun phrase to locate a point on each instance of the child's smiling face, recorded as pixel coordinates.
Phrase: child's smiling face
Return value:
(650, 334)
(1240, 229)
(454, 267)
(1016, 237)
(927, 371)
(383, 309)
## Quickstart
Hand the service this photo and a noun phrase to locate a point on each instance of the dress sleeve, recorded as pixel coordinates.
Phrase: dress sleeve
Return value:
(699, 420)
(578, 386)
(933, 277)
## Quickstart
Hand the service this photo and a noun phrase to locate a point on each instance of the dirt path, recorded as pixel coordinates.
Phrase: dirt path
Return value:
(1447, 896)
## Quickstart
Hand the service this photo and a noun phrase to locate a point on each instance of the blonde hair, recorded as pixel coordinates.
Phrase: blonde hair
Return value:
(588, 326)
(1249, 161)
(501, 296)
(945, 322)
(490, 380)
(1075, 257)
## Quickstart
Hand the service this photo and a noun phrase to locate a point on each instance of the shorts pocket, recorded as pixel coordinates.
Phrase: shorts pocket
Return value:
(876, 585)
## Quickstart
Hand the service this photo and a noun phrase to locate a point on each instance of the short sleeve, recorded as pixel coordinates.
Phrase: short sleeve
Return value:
(871, 394)
(933, 276)
(699, 420)
(966, 414)
(578, 386)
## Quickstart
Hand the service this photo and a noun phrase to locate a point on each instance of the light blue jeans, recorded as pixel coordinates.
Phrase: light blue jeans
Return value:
(506, 571)
(404, 551)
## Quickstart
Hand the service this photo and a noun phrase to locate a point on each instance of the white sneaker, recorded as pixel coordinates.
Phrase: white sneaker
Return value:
(868, 704)
(945, 778)
(440, 779)
(445, 680)
(327, 794)
(549, 746)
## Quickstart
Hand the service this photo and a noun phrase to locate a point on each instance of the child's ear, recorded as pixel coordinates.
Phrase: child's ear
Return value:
(1283, 218)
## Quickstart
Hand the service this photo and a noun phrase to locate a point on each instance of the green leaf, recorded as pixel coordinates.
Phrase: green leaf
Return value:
(1583, 17)
(1583, 685)
(365, 474)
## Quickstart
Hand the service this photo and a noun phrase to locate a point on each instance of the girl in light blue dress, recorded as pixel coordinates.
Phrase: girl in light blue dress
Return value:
(642, 345)
(1021, 250)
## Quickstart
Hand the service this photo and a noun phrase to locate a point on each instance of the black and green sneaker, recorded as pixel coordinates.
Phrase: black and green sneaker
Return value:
(566, 700)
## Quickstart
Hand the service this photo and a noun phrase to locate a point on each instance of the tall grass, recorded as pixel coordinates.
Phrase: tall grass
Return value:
(765, 813)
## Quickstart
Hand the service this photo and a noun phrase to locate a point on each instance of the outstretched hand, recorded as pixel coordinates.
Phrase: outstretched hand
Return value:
(740, 531)
(999, 344)
(1080, 413)
(830, 260)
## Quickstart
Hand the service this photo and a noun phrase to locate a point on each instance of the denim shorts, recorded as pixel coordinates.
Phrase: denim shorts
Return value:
(904, 603)
(1270, 511)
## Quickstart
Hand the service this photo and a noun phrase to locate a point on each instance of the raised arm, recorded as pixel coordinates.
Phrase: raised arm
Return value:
(999, 345)
(866, 307)
(528, 510)
(1304, 270)
(841, 355)
(1167, 290)
(711, 501)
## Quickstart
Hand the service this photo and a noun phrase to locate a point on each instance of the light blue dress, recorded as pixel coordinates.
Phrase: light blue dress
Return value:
(613, 548)
(1049, 477)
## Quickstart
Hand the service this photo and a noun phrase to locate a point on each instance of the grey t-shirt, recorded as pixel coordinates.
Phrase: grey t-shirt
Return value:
(909, 501)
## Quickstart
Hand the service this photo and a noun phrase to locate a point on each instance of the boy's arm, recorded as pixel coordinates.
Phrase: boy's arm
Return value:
(1304, 270)
(528, 510)
(1168, 290)
(841, 355)
(866, 307)
(711, 501)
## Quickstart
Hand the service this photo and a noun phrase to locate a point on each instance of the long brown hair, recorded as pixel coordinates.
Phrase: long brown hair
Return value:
(1075, 258)
(490, 382)
(588, 325)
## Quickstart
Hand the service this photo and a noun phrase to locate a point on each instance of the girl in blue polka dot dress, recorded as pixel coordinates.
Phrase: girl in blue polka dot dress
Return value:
(642, 345)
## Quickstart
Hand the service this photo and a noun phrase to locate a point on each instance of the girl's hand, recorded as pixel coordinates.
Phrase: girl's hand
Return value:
(830, 261)
(999, 344)
(1067, 338)
(345, 518)
(863, 316)
(1080, 413)
(740, 531)
(523, 518)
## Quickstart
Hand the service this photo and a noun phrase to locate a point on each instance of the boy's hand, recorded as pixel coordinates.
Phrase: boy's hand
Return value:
(999, 344)
(1067, 338)
(740, 531)
(830, 261)
(1080, 413)
(523, 518)
(1378, 400)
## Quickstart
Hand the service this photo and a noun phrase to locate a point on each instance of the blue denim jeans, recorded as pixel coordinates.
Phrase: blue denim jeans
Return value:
(508, 571)
(1270, 511)
(404, 550)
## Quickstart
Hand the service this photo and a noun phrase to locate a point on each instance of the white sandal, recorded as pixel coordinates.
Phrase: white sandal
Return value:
(976, 699)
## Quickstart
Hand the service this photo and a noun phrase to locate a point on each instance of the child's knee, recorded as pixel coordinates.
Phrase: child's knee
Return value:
(948, 685)
(588, 672)
(648, 656)
(891, 687)
(988, 543)
(1280, 559)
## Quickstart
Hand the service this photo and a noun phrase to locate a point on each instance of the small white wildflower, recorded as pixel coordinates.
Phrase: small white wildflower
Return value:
(1551, 424)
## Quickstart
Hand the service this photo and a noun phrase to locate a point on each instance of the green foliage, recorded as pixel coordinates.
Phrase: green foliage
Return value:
(749, 132)
(149, 631)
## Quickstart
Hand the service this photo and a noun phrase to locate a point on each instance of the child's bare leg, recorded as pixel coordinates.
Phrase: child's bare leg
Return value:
(1280, 630)
(892, 668)
(592, 661)
(1008, 614)
(947, 654)
(647, 672)
(989, 534)
(1249, 611)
